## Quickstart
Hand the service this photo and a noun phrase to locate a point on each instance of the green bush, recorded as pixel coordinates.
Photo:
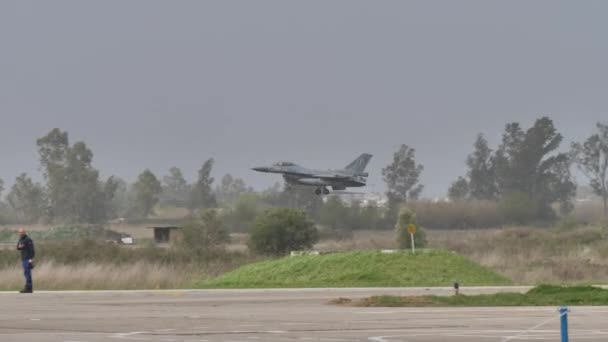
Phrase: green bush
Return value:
(205, 233)
(404, 240)
(280, 230)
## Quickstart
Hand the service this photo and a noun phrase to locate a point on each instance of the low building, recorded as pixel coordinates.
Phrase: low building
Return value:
(163, 234)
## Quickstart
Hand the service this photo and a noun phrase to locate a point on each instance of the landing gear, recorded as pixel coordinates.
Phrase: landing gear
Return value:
(323, 190)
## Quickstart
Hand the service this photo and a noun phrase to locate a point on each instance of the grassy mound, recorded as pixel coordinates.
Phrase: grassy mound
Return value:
(359, 269)
(543, 295)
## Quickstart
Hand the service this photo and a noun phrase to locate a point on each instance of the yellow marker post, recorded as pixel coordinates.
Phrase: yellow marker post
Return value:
(411, 228)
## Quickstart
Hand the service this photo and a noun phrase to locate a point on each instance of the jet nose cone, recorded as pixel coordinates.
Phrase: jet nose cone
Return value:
(260, 168)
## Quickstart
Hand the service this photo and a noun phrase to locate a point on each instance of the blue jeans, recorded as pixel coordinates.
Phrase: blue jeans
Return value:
(27, 272)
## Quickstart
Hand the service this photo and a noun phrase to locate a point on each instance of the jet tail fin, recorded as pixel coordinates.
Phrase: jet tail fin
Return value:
(359, 164)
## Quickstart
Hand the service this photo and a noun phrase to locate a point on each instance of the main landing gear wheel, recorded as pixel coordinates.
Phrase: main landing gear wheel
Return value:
(323, 191)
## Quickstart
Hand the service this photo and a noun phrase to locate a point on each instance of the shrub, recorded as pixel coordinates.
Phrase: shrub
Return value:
(404, 240)
(280, 230)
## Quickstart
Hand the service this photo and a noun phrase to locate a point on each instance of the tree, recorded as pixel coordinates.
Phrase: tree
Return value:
(592, 159)
(202, 195)
(175, 189)
(107, 210)
(459, 190)
(402, 175)
(231, 188)
(280, 230)
(27, 199)
(120, 203)
(53, 150)
(147, 188)
(482, 180)
(74, 191)
(525, 163)
(205, 233)
(1, 188)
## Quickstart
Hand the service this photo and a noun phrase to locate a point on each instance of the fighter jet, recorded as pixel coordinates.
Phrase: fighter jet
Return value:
(352, 175)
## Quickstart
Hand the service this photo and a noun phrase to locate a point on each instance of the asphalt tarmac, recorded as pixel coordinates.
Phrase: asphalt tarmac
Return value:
(277, 315)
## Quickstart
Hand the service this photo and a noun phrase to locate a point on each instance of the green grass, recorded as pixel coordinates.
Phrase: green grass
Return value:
(543, 295)
(359, 269)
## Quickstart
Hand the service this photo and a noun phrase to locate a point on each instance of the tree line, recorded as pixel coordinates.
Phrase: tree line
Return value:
(73, 191)
(525, 175)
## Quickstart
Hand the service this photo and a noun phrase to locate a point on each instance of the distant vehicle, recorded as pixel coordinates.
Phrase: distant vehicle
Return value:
(121, 239)
(352, 175)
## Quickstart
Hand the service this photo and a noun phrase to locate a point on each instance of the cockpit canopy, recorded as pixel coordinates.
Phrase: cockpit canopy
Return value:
(284, 163)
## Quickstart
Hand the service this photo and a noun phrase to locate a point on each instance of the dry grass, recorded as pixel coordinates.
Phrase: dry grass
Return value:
(93, 276)
(530, 255)
(456, 214)
(527, 255)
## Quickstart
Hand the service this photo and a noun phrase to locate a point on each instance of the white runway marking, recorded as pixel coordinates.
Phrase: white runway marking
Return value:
(128, 336)
(454, 310)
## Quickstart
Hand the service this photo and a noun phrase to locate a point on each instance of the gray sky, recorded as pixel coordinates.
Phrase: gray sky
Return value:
(155, 84)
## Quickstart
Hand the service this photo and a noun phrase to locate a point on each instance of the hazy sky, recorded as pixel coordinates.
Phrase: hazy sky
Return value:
(155, 84)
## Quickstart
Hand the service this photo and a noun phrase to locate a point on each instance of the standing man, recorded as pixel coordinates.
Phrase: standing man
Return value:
(26, 246)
